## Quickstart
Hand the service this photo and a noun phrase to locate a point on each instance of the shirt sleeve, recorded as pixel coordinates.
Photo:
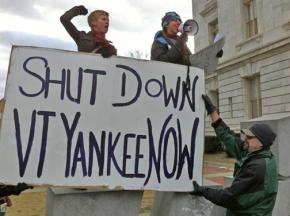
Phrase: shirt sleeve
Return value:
(66, 18)
(229, 138)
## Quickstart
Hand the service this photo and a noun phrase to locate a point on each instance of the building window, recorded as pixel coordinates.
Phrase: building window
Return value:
(254, 97)
(231, 110)
(213, 29)
(250, 18)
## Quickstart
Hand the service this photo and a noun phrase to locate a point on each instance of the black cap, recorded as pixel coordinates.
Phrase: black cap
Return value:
(263, 132)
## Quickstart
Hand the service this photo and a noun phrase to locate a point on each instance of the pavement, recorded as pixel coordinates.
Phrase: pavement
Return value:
(216, 167)
(32, 202)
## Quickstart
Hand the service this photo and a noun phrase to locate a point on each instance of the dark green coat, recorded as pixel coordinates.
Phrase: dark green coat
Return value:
(254, 188)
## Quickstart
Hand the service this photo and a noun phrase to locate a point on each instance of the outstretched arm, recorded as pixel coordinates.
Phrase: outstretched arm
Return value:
(248, 181)
(223, 132)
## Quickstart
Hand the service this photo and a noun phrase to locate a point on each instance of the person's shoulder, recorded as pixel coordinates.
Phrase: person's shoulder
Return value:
(256, 160)
(86, 35)
(159, 38)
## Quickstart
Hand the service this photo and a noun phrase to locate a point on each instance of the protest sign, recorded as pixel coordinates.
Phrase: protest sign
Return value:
(78, 119)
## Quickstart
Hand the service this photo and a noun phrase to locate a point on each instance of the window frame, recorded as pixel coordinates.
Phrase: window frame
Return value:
(213, 29)
(250, 20)
(252, 112)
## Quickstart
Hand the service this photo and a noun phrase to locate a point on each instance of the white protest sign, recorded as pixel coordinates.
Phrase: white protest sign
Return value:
(78, 119)
(206, 58)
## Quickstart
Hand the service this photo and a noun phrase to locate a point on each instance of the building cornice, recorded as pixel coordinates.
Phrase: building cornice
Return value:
(256, 38)
(262, 52)
(209, 8)
(286, 25)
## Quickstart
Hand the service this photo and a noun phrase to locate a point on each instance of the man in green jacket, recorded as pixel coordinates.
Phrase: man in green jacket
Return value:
(254, 188)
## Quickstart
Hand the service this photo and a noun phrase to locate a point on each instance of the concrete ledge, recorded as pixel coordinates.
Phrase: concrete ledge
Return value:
(184, 204)
(121, 203)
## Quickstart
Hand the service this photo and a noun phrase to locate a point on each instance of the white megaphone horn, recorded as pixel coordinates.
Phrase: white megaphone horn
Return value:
(189, 27)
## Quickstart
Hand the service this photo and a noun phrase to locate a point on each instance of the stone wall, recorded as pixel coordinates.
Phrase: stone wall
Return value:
(266, 54)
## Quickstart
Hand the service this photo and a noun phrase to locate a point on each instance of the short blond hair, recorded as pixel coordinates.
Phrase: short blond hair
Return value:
(95, 15)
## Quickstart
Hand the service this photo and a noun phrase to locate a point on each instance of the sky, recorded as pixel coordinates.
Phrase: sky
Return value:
(133, 24)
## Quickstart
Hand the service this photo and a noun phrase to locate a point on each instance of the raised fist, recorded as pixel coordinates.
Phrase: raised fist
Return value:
(82, 10)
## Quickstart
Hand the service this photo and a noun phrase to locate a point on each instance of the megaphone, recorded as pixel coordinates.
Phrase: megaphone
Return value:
(190, 27)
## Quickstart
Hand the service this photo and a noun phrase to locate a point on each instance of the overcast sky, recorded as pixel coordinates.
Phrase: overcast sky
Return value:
(133, 24)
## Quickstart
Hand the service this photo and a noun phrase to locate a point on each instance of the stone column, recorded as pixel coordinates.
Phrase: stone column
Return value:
(184, 204)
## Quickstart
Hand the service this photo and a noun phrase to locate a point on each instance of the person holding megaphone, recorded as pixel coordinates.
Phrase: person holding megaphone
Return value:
(168, 46)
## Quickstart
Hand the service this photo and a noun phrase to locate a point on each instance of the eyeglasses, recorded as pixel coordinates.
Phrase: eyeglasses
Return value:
(250, 137)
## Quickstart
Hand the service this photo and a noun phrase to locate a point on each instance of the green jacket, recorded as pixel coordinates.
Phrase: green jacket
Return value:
(254, 188)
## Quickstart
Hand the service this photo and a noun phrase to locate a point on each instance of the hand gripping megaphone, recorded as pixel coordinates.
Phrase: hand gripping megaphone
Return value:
(189, 27)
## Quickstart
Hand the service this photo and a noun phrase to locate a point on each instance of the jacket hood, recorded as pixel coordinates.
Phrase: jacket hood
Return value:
(157, 35)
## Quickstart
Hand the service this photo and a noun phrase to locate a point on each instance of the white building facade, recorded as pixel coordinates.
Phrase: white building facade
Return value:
(253, 76)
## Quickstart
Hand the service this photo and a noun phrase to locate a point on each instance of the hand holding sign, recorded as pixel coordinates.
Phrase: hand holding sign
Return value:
(7, 190)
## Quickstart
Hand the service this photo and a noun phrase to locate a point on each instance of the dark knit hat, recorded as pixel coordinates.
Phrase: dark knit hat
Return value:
(168, 17)
(263, 132)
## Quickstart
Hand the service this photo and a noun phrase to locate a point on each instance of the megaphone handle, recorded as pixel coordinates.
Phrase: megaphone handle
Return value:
(187, 85)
